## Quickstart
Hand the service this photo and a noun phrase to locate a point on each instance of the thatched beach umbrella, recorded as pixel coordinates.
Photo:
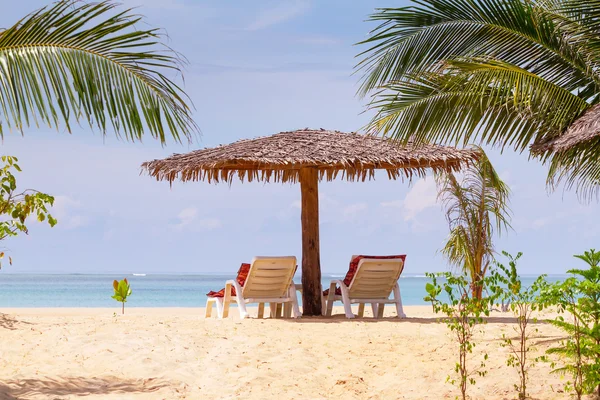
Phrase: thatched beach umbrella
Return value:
(308, 156)
(584, 129)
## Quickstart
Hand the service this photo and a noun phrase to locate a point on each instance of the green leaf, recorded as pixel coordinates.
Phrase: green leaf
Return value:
(78, 61)
(506, 73)
(430, 289)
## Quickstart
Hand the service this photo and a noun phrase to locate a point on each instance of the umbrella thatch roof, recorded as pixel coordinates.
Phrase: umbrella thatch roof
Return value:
(585, 128)
(281, 156)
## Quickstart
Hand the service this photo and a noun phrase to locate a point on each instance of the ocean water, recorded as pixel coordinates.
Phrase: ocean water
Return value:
(79, 290)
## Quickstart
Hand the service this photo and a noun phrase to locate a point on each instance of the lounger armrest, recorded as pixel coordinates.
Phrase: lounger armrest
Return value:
(235, 284)
(335, 283)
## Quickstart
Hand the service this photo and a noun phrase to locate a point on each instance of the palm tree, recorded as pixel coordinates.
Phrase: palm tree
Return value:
(75, 61)
(476, 209)
(510, 73)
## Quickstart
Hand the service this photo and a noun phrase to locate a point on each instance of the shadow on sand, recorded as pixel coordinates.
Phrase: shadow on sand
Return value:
(341, 318)
(8, 322)
(76, 386)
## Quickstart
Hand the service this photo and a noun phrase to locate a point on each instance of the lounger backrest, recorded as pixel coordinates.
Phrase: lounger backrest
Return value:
(375, 278)
(269, 277)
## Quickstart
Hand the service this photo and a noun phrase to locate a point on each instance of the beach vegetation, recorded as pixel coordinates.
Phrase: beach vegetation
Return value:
(122, 292)
(76, 61)
(17, 206)
(476, 205)
(577, 299)
(512, 74)
(452, 296)
(523, 302)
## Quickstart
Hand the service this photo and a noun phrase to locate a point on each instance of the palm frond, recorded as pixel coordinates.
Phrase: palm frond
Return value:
(500, 72)
(421, 38)
(487, 100)
(76, 61)
(476, 210)
(577, 168)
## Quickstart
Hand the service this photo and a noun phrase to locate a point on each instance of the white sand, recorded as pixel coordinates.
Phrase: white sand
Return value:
(175, 353)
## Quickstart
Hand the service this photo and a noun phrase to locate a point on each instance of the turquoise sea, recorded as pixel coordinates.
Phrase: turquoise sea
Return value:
(82, 290)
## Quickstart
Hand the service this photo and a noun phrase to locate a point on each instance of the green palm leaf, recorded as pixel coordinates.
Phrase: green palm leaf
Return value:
(476, 210)
(500, 72)
(76, 61)
(414, 39)
(487, 100)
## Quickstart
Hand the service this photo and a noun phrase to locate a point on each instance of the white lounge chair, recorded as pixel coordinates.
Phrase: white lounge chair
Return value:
(269, 280)
(373, 282)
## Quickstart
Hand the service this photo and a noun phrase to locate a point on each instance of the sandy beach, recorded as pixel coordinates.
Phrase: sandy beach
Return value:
(174, 353)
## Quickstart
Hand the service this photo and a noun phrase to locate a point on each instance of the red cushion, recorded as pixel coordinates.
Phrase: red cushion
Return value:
(242, 275)
(354, 266)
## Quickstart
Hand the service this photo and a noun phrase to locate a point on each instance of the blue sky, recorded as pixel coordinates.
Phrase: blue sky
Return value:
(257, 68)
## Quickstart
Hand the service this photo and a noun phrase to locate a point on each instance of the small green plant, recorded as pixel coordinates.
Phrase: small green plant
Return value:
(579, 296)
(464, 311)
(15, 207)
(122, 291)
(522, 302)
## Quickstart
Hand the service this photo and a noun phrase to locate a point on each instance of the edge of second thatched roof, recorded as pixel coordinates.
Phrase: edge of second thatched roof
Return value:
(280, 157)
(584, 129)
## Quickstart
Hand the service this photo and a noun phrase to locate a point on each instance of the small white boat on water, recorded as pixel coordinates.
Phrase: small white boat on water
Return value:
(139, 274)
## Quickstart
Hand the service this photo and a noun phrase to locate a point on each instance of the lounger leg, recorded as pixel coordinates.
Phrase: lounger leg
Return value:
(296, 309)
(226, 301)
(261, 310)
(273, 310)
(287, 309)
(374, 308)
(346, 301)
(323, 302)
(209, 306)
(279, 310)
(361, 310)
(380, 309)
(219, 302)
(287, 306)
(241, 304)
(293, 294)
(330, 298)
(398, 298)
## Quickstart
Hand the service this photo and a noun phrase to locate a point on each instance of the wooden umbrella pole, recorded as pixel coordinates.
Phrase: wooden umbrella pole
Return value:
(311, 262)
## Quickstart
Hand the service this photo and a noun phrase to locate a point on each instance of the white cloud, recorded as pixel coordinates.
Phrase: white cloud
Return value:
(393, 204)
(65, 210)
(540, 223)
(278, 14)
(353, 210)
(573, 216)
(188, 218)
(422, 195)
(209, 223)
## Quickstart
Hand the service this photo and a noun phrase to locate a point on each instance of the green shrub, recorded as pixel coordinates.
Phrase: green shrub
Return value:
(579, 296)
(122, 291)
(464, 312)
(522, 301)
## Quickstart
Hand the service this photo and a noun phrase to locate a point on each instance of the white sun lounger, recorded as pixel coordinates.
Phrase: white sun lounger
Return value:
(374, 281)
(269, 281)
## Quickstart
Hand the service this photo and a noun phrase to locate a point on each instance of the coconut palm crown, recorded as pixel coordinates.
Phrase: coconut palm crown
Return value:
(510, 73)
(74, 61)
